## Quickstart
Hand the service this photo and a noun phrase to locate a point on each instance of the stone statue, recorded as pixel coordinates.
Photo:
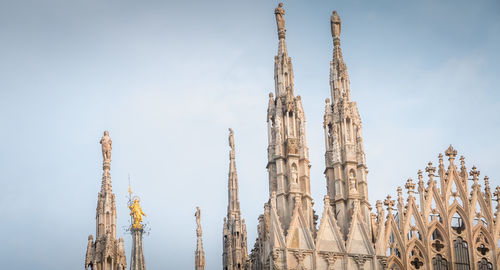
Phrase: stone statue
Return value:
(136, 213)
(280, 18)
(198, 220)
(231, 139)
(335, 24)
(106, 146)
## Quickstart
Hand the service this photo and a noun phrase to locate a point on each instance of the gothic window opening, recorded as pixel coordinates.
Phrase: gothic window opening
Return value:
(461, 250)
(482, 244)
(437, 242)
(484, 265)
(480, 220)
(393, 247)
(394, 266)
(457, 223)
(416, 259)
(439, 263)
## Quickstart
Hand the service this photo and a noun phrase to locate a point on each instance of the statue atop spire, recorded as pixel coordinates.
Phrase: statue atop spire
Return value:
(280, 20)
(136, 213)
(335, 24)
(231, 139)
(106, 145)
(105, 241)
(197, 214)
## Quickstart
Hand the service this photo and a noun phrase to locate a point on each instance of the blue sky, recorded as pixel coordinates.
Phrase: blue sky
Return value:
(167, 78)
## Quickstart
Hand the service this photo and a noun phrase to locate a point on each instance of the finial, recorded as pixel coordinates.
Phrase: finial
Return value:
(271, 95)
(327, 101)
(335, 24)
(475, 174)
(486, 183)
(389, 203)
(327, 200)
(430, 170)
(106, 145)
(497, 194)
(462, 162)
(410, 186)
(420, 177)
(279, 12)
(440, 156)
(451, 153)
(400, 193)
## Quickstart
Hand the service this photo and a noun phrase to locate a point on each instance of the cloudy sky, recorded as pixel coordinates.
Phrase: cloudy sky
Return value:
(167, 78)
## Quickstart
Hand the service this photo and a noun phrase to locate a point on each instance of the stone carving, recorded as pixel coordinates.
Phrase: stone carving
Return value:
(292, 146)
(231, 139)
(106, 146)
(197, 214)
(280, 20)
(335, 24)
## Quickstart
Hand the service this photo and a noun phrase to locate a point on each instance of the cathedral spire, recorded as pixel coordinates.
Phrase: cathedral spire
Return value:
(199, 253)
(283, 71)
(137, 261)
(105, 240)
(233, 207)
(345, 157)
(234, 231)
(339, 78)
(288, 154)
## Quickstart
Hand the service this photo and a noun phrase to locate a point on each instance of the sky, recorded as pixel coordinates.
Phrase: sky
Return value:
(168, 78)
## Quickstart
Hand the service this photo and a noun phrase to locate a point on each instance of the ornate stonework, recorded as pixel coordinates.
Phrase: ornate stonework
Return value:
(106, 252)
(234, 231)
(439, 226)
(199, 253)
(444, 224)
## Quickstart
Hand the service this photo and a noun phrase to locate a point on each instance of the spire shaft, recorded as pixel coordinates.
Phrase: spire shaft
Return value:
(199, 253)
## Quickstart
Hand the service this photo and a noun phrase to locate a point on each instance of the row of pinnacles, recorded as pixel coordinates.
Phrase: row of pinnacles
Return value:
(443, 224)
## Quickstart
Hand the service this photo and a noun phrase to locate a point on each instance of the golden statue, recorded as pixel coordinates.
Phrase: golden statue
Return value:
(136, 213)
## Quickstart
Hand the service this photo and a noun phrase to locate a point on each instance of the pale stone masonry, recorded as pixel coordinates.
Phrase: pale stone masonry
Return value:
(199, 260)
(235, 253)
(137, 261)
(106, 252)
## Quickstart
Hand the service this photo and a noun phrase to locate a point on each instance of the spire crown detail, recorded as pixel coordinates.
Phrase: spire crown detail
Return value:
(279, 12)
(335, 24)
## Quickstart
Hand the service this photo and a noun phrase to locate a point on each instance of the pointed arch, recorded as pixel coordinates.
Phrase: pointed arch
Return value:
(417, 258)
(482, 241)
(395, 264)
(456, 219)
(461, 254)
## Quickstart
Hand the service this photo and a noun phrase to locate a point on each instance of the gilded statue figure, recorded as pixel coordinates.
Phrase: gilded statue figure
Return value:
(280, 17)
(335, 24)
(106, 146)
(136, 213)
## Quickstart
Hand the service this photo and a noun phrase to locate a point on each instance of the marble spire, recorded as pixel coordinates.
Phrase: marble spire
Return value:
(199, 253)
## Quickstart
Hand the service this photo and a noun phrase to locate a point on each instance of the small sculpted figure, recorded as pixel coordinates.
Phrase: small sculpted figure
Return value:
(106, 146)
(280, 17)
(335, 24)
(136, 213)
(231, 139)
